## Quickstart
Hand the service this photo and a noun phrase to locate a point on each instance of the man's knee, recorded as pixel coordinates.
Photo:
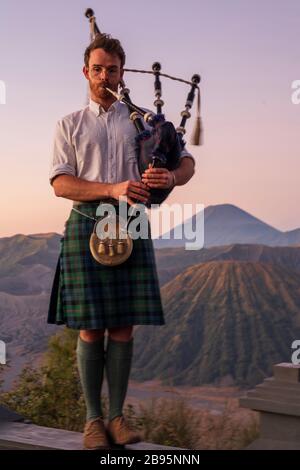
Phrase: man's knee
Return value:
(121, 333)
(91, 335)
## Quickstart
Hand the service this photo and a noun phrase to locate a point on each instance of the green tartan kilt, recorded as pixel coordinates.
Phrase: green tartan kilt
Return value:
(88, 295)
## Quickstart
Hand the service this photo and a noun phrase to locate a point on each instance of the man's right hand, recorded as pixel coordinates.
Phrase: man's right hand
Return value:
(133, 190)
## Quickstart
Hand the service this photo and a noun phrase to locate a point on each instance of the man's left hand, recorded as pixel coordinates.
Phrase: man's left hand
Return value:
(160, 178)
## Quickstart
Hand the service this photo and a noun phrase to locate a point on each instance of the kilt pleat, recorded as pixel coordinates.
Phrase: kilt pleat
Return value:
(88, 295)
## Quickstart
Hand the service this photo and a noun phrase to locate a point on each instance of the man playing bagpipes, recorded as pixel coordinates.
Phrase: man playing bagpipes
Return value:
(95, 162)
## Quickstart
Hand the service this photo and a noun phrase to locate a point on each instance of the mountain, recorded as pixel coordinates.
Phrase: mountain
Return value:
(293, 237)
(24, 329)
(226, 322)
(172, 261)
(26, 274)
(27, 263)
(198, 288)
(225, 224)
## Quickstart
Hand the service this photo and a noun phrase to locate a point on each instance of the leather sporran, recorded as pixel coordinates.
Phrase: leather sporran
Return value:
(110, 242)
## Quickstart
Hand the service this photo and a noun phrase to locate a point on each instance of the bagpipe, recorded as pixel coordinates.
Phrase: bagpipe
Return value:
(158, 143)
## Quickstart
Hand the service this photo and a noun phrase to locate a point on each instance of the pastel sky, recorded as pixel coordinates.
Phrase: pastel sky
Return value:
(247, 53)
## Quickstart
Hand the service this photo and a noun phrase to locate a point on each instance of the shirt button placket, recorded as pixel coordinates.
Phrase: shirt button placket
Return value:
(111, 148)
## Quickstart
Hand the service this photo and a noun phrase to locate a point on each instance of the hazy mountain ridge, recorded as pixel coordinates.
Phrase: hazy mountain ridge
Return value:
(28, 249)
(226, 224)
(27, 263)
(172, 261)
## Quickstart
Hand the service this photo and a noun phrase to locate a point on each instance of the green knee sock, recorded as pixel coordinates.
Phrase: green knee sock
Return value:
(118, 364)
(90, 360)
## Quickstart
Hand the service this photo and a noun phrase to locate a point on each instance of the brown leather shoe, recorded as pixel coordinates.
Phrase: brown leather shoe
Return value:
(94, 436)
(120, 433)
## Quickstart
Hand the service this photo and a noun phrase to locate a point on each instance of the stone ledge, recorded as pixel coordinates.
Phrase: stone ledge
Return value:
(271, 406)
(15, 435)
(271, 444)
(287, 372)
(278, 402)
(271, 382)
(278, 394)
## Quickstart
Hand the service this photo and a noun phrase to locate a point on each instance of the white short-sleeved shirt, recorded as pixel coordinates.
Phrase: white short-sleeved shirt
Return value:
(97, 145)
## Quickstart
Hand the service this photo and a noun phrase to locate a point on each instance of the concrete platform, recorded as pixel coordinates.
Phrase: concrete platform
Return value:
(277, 400)
(17, 434)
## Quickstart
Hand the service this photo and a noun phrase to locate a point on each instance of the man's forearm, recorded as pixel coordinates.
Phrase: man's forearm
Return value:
(77, 189)
(185, 171)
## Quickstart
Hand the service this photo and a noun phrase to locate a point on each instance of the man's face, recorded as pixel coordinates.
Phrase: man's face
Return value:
(104, 70)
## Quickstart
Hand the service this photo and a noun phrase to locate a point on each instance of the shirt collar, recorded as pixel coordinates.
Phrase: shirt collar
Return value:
(97, 109)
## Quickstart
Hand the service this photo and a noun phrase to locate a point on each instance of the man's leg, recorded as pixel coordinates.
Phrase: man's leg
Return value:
(118, 364)
(91, 360)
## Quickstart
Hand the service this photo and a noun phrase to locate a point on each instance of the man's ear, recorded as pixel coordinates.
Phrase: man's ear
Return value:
(86, 72)
(121, 72)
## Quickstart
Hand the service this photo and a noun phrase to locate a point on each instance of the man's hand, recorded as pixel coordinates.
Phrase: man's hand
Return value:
(160, 178)
(132, 190)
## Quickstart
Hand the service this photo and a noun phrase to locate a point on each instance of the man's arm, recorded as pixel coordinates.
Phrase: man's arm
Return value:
(185, 171)
(78, 189)
(66, 184)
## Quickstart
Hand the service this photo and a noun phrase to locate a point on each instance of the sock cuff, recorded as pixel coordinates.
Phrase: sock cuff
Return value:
(120, 346)
(120, 343)
(90, 350)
